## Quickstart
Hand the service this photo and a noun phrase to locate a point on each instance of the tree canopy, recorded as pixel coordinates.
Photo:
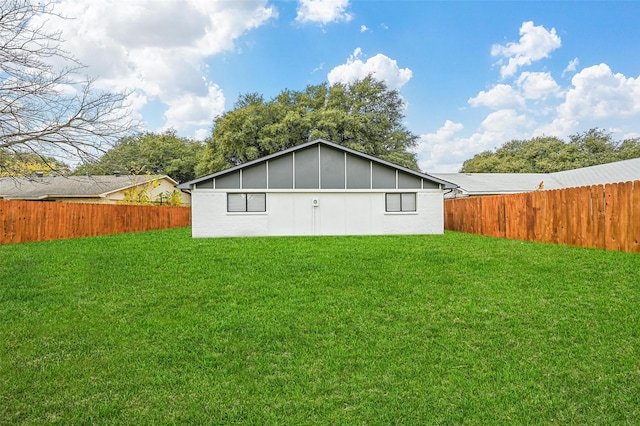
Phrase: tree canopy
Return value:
(364, 115)
(46, 108)
(164, 153)
(547, 154)
(25, 164)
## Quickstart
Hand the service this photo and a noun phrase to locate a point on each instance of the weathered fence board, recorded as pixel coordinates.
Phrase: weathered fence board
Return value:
(599, 216)
(26, 221)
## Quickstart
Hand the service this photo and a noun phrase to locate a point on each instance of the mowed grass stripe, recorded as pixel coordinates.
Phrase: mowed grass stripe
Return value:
(157, 327)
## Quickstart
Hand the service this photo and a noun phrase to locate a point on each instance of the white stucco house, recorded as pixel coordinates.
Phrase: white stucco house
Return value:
(317, 188)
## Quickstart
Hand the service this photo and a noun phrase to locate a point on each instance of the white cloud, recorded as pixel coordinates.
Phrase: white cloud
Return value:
(190, 110)
(534, 104)
(599, 93)
(597, 97)
(499, 96)
(559, 127)
(536, 42)
(380, 66)
(505, 122)
(445, 150)
(363, 28)
(174, 24)
(631, 135)
(158, 48)
(323, 11)
(441, 148)
(529, 85)
(201, 134)
(537, 85)
(135, 102)
(571, 66)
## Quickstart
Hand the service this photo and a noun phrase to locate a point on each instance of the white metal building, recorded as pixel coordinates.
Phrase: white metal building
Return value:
(317, 188)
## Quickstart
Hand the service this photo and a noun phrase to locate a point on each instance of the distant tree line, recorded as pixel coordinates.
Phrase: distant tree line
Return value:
(364, 115)
(27, 163)
(149, 153)
(184, 159)
(547, 154)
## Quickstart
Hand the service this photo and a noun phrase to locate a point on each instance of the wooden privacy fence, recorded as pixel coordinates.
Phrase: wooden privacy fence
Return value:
(25, 221)
(599, 216)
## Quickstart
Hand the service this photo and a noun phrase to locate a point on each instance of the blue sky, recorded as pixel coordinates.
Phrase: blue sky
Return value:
(474, 74)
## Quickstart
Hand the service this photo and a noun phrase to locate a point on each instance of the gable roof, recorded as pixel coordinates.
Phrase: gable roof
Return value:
(509, 183)
(40, 188)
(444, 183)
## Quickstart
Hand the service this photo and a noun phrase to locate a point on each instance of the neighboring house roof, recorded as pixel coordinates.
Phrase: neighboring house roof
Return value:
(498, 183)
(509, 183)
(41, 188)
(619, 171)
(445, 184)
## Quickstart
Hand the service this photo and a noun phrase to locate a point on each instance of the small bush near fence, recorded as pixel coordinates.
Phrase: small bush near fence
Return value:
(599, 216)
(25, 221)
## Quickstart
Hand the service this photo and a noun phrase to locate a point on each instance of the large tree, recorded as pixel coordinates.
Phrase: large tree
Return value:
(46, 108)
(164, 153)
(547, 154)
(364, 115)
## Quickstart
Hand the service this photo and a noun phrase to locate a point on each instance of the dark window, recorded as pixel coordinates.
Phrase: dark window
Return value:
(237, 202)
(401, 202)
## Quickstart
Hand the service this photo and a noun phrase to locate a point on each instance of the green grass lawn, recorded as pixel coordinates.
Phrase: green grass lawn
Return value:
(157, 327)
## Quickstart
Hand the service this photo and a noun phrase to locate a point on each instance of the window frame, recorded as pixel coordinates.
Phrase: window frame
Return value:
(246, 202)
(402, 209)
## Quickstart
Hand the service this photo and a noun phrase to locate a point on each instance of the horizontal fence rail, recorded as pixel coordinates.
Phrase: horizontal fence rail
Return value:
(26, 221)
(599, 216)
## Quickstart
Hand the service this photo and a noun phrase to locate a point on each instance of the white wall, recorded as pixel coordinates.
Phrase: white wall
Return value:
(337, 213)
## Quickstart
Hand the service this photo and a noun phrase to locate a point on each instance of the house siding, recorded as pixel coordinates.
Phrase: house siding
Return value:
(337, 213)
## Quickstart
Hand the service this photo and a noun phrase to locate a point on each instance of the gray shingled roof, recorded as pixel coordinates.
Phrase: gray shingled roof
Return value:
(507, 183)
(36, 188)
